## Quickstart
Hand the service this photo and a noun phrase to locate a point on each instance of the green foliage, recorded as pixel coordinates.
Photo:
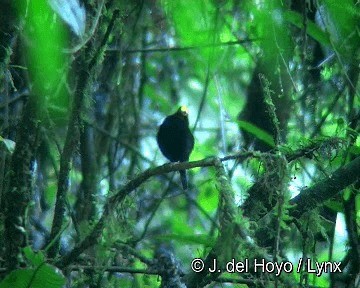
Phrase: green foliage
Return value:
(194, 26)
(269, 26)
(47, 62)
(208, 197)
(183, 60)
(355, 150)
(346, 17)
(35, 258)
(257, 132)
(50, 193)
(312, 29)
(335, 206)
(42, 275)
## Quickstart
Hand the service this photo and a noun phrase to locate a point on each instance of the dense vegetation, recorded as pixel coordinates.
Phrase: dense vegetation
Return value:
(88, 200)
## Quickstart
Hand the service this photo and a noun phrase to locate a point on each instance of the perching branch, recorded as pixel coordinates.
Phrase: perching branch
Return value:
(113, 201)
(314, 196)
(118, 197)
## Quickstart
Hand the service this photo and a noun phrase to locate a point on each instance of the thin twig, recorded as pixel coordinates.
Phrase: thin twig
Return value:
(179, 49)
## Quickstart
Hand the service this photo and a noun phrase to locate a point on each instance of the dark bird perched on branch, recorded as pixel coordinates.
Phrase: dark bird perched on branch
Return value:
(175, 139)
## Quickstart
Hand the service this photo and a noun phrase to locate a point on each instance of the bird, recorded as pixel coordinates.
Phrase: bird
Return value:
(175, 139)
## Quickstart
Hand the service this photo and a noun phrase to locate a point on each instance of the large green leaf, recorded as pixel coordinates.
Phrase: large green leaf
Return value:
(44, 275)
(46, 60)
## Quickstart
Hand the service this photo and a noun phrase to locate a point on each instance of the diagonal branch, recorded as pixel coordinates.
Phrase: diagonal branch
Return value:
(113, 201)
(302, 201)
(317, 194)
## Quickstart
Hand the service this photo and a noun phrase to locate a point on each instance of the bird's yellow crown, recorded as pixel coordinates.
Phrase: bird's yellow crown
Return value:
(184, 110)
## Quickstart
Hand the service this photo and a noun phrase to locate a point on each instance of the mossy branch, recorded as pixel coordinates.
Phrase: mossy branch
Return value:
(119, 196)
(314, 196)
(19, 193)
(73, 135)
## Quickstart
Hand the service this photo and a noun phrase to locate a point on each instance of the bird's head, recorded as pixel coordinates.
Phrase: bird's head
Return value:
(183, 112)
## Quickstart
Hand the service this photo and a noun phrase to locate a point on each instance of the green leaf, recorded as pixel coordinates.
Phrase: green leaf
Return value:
(48, 38)
(311, 29)
(43, 276)
(347, 194)
(335, 206)
(344, 18)
(257, 132)
(36, 258)
(354, 150)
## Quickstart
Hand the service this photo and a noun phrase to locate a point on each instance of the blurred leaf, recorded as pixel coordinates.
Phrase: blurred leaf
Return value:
(312, 29)
(47, 63)
(50, 192)
(347, 193)
(208, 197)
(72, 13)
(340, 121)
(341, 20)
(195, 25)
(354, 150)
(43, 276)
(270, 24)
(257, 132)
(335, 206)
(192, 21)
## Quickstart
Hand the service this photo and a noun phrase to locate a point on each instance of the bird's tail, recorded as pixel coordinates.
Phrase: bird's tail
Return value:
(183, 178)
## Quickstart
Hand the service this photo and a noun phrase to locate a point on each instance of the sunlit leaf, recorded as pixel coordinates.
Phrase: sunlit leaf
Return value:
(46, 61)
(257, 132)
